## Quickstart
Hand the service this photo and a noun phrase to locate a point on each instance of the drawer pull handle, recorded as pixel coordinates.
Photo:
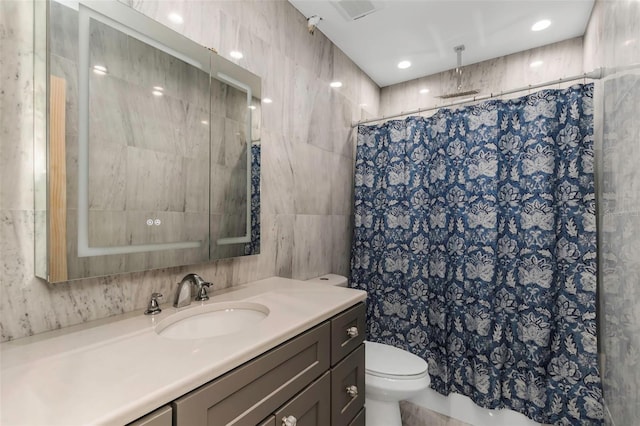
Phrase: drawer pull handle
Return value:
(352, 391)
(289, 421)
(352, 332)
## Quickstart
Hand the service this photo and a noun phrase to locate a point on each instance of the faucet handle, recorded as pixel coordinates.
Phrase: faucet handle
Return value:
(202, 291)
(154, 307)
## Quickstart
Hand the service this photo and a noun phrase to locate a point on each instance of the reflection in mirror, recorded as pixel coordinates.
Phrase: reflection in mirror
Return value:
(153, 147)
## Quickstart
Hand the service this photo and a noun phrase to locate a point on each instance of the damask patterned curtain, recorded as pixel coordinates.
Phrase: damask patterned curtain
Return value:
(475, 238)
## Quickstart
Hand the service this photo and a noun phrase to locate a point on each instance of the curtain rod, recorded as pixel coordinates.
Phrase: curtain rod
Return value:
(596, 74)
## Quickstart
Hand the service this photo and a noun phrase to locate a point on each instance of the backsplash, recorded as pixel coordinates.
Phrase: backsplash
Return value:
(307, 162)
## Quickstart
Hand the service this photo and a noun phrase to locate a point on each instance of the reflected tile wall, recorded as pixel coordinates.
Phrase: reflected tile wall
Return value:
(277, 46)
(612, 41)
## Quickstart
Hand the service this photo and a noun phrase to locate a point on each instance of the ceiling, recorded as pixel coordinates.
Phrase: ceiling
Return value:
(425, 32)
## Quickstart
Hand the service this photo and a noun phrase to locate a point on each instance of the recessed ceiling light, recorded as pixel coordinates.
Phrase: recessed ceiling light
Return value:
(423, 91)
(236, 54)
(252, 107)
(404, 64)
(267, 100)
(541, 25)
(536, 64)
(99, 69)
(158, 91)
(335, 84)
(175, 18)
(205, 122)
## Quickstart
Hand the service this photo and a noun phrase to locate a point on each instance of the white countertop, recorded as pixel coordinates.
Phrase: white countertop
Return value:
(115, 370)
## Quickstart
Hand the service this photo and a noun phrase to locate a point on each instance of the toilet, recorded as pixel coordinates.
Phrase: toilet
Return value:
(391, 374)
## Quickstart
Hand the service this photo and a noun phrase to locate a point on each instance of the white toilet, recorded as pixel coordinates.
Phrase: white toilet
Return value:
(391, 374)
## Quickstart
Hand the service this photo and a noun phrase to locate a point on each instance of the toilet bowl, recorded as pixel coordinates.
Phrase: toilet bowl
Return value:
(391, 374)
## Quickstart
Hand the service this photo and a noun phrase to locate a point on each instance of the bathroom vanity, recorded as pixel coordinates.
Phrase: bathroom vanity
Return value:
(316, 378)
(302, 364)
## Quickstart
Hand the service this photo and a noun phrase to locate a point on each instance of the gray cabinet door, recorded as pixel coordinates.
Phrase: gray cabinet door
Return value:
(253, 391)
(159, 417)
(309, 408)
(271, 421)
(359, 419)
(343, 327)
(347, 388)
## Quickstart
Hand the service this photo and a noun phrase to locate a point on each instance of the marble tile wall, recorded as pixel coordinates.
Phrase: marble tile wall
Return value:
(612, 41)
(560, 60)
(307, 160)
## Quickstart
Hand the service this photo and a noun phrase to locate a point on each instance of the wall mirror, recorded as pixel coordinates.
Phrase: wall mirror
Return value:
(150, 156)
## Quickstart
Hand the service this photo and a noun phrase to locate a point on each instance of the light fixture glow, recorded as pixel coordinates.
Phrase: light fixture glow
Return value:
(236, 54)
(541, 25)
(629, 42)
(252, 107)
(423, 91)
(205, 122)
(536, 64)
(175, 18)
(335, 84)
(157, 91)
(267, 100)
(404, 64)
(100, 70)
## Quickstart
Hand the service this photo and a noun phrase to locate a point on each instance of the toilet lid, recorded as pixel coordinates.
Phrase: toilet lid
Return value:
(385, 361)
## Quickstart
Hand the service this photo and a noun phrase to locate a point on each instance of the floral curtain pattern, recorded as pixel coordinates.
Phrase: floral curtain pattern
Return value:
(254, 246)
(475, 239)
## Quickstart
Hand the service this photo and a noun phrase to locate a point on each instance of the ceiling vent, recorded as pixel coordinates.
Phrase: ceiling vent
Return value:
(354, 9)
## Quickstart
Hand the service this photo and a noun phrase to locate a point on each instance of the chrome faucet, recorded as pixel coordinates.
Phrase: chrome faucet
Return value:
(184, 293)
(154, 307)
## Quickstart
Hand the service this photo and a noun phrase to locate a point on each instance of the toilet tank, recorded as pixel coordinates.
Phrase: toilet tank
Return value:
(330, 279)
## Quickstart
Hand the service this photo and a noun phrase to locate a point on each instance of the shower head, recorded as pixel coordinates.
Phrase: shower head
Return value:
(459, 92)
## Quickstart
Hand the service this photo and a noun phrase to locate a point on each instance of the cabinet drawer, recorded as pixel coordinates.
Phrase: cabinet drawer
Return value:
(347, 388)
(311, 407)
(159, 417)
(343, 328)
(359, 420)
(253, 391)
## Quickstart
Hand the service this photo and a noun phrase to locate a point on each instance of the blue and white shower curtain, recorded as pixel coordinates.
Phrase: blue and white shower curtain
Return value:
(475, 238)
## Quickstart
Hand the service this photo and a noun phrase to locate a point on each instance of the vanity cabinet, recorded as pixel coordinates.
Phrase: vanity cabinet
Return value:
(310, 407)
(314, 379)
(347, 388)
(256, 389)
(347, 332)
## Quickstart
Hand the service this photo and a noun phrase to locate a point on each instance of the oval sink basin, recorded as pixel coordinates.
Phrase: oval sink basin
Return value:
(217, 319)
